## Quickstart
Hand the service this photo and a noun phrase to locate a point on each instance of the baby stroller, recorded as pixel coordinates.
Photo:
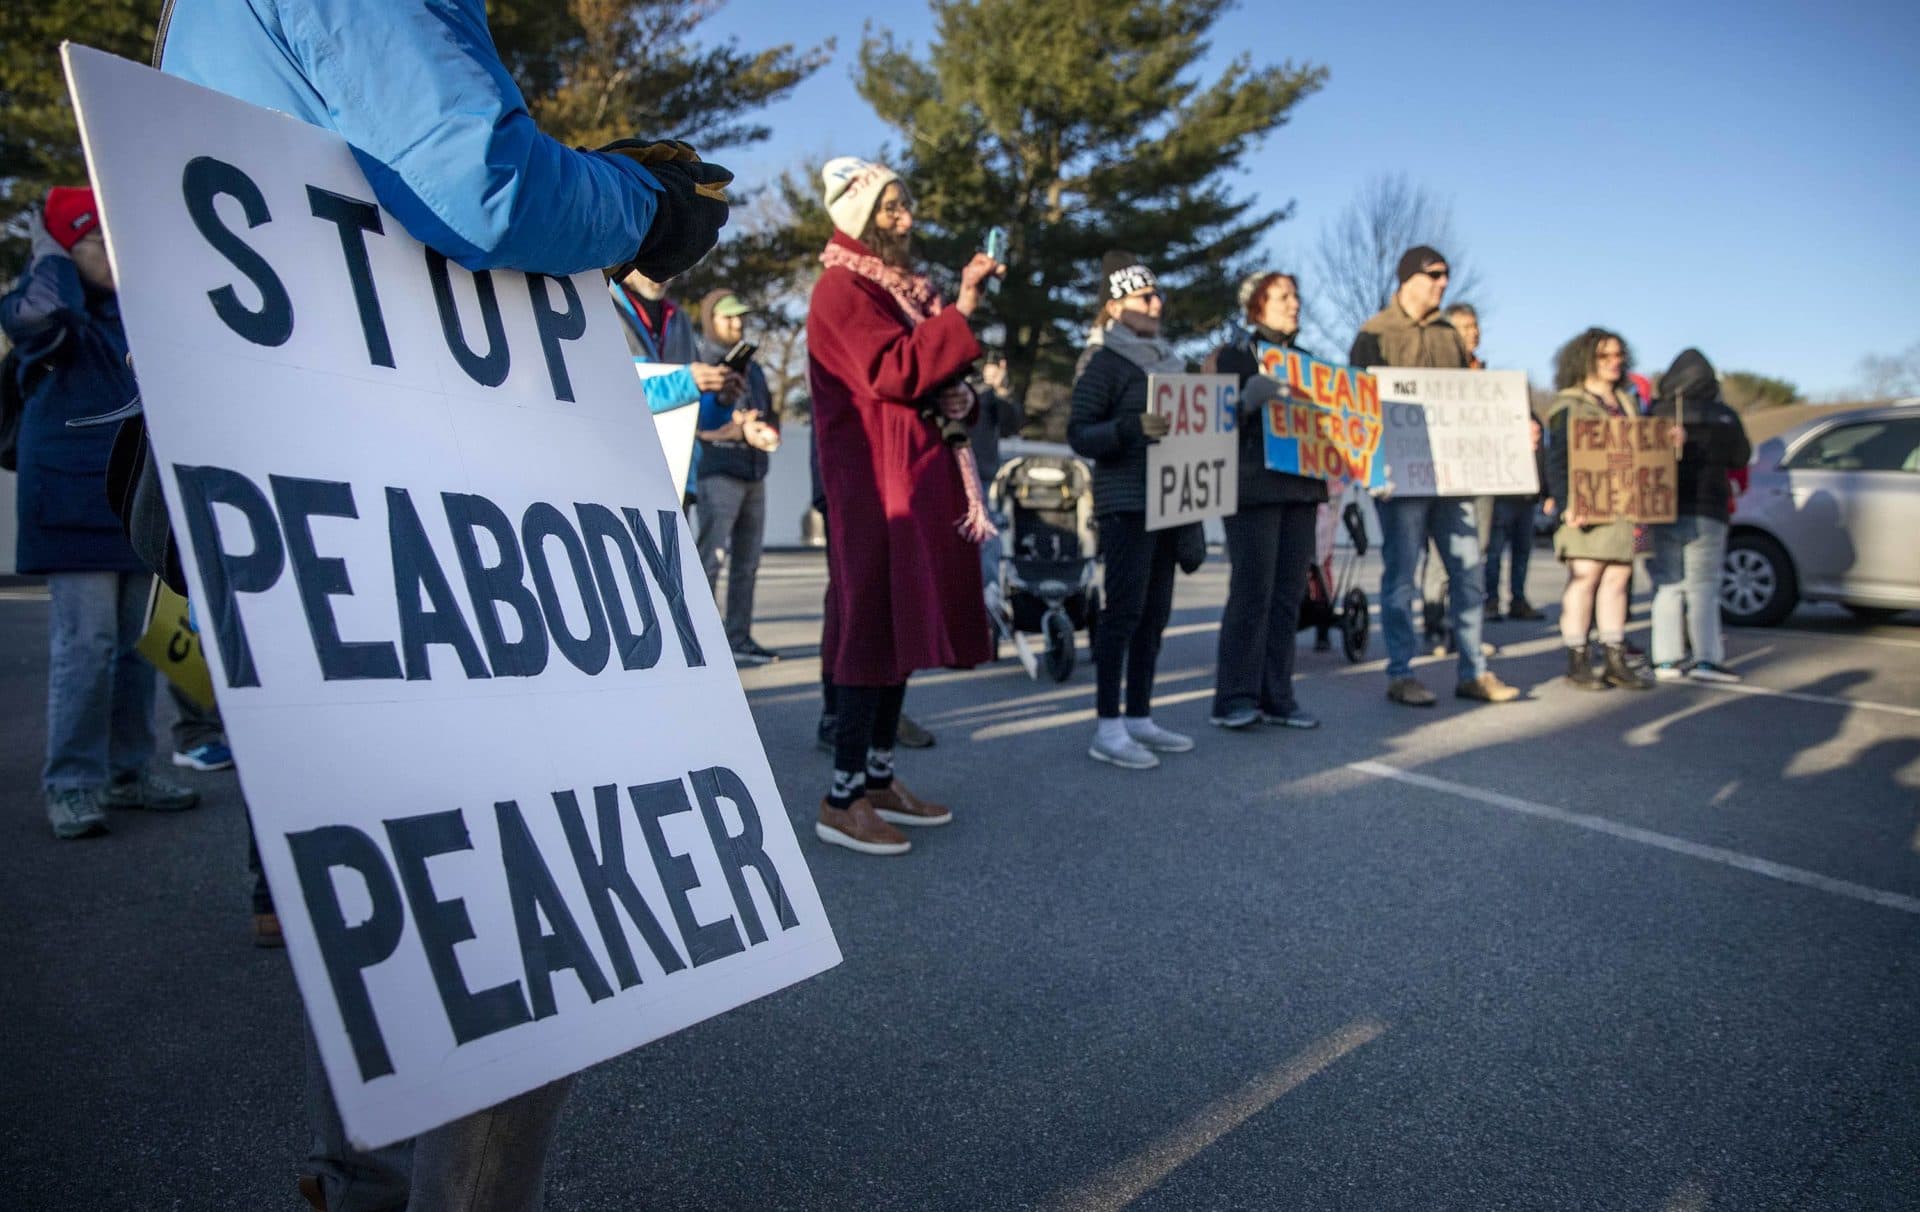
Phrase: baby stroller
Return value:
(1046, 572)
(1335, 602)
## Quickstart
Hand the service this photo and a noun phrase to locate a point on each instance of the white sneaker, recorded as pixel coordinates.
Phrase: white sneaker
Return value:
(1669, 671)
(1126, 753)
(1160, 740)
(1707, 671)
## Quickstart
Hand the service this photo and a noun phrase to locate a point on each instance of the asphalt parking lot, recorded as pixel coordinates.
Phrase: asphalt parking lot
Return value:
(1582, 951)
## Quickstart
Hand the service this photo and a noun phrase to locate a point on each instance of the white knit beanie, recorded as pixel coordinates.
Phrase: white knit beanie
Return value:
(854, 187)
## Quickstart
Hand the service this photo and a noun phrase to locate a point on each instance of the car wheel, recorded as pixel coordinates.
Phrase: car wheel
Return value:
(1757, 585)
(1872, 614)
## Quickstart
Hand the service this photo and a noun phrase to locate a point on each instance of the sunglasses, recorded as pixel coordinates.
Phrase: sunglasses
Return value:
(1438, 275)
(1148, 296)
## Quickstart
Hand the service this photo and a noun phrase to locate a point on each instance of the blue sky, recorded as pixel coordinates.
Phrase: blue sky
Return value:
(1744, 177)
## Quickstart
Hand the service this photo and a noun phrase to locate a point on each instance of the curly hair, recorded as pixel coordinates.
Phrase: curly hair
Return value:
(1576, 358)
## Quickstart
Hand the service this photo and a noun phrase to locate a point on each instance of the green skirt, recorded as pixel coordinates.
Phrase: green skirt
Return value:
(1609, 541)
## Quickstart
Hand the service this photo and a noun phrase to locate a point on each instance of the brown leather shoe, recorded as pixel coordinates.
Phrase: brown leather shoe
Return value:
(1487, 688)
(1408, 692)
(903, 807)
(859, 827)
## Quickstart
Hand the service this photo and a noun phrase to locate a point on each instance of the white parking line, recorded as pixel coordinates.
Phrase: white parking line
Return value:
(1122, 1184)
(1647, 837)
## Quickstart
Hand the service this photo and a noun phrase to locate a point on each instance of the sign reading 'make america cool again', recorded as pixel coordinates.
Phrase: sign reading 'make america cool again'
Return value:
(508, 794)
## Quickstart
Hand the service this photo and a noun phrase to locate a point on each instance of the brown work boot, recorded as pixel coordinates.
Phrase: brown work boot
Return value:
(1408, 692)
(1487, 688)
(903, 807)
(859, 827)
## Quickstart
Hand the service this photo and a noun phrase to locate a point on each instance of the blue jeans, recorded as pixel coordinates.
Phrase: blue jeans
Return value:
(1406, 523)
(1687, 554)
(1512, 529)
(99, 690)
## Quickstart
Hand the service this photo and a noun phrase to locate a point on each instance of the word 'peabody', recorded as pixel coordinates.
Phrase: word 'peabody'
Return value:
(550, 936)
(279, 534)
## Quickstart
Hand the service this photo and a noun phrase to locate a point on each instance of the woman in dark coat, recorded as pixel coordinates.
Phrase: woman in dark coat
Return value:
(1270, 539)
(1111, 425)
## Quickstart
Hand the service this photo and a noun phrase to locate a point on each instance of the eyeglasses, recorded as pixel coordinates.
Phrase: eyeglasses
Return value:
(1609, 356)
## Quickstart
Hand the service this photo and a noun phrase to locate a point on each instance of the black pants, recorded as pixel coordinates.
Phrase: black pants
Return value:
(868, 718)
(1271, 547)
(1139, 599)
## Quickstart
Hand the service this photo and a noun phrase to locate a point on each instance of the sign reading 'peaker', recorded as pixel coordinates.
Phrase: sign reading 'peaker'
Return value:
(507, 791)
(1622, 468)
(1457, 433)
(1193, 472)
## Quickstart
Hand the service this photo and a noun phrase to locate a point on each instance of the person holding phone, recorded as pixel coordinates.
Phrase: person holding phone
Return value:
(1112, 425)
(736, 440)
(887, 359)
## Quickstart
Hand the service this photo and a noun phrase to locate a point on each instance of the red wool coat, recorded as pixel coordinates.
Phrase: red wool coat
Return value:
(904, 589)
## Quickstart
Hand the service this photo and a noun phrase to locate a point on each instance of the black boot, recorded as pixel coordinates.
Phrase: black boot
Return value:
(1580, 670)
(1618, 672)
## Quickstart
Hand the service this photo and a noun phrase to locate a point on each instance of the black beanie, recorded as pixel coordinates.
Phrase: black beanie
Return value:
(1123, 273)
(1416, 259)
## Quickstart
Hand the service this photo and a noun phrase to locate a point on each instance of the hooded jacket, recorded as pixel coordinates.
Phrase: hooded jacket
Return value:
(1716, 438)
(1259, 485)
(55, 322)
(1393, 338)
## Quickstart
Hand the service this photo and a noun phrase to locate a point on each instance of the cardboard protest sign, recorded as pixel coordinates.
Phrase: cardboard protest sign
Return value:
(1622, 468)
(171, 644)
(1194, 472)
(507, 791)
(1457, 433)
(1324, 423)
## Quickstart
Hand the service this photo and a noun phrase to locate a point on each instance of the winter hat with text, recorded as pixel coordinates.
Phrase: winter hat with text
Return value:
(1125, 274)
(854, 187)
(70, 214)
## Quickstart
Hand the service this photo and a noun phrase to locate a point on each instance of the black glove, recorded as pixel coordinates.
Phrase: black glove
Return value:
(691, 211)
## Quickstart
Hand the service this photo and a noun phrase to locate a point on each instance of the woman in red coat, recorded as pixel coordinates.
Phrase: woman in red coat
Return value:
(887, 360)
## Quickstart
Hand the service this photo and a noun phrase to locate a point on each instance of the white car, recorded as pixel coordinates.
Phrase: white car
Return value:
(1831, 514)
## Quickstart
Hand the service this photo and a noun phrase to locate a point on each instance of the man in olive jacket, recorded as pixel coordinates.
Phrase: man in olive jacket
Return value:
(1410, 331)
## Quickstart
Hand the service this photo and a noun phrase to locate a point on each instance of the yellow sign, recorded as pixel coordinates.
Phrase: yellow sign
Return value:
(172, 645)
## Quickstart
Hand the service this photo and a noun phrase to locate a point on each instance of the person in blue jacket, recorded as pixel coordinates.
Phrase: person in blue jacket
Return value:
(64, 321)
(444, 137)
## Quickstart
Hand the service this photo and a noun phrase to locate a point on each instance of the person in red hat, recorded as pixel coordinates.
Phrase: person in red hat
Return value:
(70, 354)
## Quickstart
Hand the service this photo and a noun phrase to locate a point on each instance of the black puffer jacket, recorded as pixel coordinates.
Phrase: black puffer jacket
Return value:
(1716, 438)
(1258, 484)
(1109, 397)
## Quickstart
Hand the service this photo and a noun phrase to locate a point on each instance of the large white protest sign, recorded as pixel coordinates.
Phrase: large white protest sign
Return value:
(1194, 472)
(1456, 433)
(507, 790)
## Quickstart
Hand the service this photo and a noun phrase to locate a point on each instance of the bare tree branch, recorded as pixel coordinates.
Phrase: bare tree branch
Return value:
(1354, 260)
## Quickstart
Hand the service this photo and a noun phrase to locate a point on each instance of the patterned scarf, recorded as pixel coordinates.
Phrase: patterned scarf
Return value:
(920, 301)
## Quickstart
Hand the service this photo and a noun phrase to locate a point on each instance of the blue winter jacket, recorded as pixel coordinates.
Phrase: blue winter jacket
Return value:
(72, 348)
(443, 134)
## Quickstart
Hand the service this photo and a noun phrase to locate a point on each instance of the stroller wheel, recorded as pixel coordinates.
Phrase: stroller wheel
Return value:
(1060, 648)
(1354, 624)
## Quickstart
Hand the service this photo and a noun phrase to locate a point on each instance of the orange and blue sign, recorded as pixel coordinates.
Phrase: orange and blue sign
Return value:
(1326, 422)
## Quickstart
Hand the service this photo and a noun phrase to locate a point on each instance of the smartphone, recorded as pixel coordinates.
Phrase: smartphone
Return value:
(997, 249)
(738, 357)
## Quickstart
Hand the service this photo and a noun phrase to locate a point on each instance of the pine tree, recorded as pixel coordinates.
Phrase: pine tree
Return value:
(39, 142)
(1081, 126)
